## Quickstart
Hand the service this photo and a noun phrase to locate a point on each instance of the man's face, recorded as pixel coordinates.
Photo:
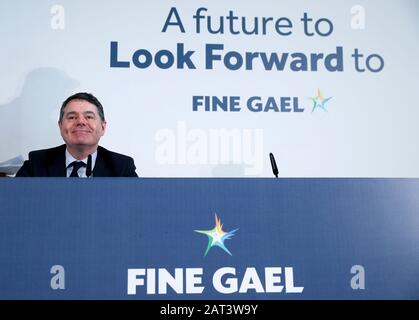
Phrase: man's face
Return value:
(81, 124)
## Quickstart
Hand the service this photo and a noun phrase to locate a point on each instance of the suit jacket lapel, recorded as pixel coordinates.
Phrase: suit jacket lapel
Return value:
(57, 167)
(100, 165)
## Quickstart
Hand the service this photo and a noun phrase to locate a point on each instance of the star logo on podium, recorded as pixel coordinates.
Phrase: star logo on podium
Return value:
(217, 236)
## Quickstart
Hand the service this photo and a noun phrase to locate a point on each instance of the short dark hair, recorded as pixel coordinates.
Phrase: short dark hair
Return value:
(83, 96)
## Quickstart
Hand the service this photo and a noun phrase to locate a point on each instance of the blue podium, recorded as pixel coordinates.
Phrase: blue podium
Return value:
(212, 239)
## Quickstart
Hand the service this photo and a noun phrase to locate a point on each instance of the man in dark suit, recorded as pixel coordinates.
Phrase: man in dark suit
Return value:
(82, 124)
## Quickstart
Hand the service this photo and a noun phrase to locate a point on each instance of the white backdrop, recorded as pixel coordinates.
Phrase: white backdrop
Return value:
(368, 127)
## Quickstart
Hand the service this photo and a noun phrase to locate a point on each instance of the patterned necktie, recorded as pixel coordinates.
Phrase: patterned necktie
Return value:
(76, 166)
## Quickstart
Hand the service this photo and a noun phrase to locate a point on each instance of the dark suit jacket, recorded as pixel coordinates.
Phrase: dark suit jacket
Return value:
(51, 163)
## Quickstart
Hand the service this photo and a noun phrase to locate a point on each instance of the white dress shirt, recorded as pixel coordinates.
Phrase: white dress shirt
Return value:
(82, 171)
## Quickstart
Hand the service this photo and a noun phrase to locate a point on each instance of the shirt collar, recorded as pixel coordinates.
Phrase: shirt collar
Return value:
(69, 158)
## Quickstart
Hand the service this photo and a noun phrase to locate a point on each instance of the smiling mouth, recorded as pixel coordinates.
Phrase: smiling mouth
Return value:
(81, 131)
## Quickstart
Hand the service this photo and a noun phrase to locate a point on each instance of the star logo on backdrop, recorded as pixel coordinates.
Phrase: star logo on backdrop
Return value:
(217, 236)
(319, 101)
